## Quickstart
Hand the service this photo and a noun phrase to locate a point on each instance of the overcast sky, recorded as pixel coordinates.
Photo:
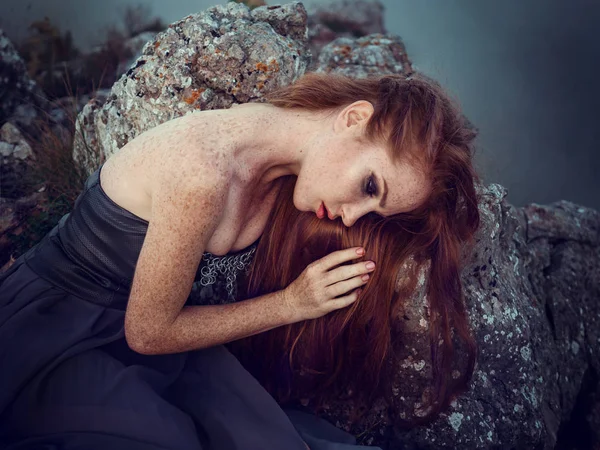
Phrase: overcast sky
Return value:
(524, 71)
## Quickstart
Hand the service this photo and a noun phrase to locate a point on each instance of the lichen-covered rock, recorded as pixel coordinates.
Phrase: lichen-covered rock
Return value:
(531, 286)
(20, 97)
(342, 18)
(16, 157)
(532, 291)
(369, 55)
(134, 46)
(227, 54)
(13, 145)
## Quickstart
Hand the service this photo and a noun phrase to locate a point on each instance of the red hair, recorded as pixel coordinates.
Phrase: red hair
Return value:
(352, 349)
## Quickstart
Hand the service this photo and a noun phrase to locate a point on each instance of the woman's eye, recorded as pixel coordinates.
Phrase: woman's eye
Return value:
(371, 187)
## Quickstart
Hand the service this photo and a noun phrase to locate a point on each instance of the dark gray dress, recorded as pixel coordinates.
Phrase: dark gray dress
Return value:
(68, 380)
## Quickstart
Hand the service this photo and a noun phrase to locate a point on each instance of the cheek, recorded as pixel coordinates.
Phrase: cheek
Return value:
(342, 191)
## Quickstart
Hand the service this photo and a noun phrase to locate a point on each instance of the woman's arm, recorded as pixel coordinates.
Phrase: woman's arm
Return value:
(198, 327)
(187, 206)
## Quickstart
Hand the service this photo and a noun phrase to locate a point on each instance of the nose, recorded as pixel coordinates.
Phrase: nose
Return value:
(349, 216)
(352, 212)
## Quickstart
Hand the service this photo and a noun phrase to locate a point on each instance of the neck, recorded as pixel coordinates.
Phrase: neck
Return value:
(270, 142)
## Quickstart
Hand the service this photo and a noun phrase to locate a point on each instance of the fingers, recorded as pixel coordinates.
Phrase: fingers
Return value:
(346, 300)
(339, 257)
(345, 286)
(347, 271)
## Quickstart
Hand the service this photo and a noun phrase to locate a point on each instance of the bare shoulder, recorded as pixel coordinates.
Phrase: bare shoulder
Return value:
(181, 152)
(187, 173)
(184, 147)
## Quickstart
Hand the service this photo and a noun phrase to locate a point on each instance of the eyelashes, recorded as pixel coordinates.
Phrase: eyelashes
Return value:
(371, 187)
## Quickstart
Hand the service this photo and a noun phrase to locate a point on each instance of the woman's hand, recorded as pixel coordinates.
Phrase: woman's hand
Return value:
(313, 294)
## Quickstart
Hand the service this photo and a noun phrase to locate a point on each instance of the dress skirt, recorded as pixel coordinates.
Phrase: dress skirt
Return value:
(69, 381)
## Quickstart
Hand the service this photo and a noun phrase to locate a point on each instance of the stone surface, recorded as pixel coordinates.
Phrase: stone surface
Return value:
(361, 57)
(20, 97)
(344, 18)
(134, 46)
(227, 54)
(13, 145)
(532, 290)
(16, 157)
(531, 286)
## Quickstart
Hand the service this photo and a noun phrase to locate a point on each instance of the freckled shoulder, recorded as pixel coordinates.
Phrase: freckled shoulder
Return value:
(190, 152)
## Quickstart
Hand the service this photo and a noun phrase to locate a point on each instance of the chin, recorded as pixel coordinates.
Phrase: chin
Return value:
(299, 208)
(297, 204)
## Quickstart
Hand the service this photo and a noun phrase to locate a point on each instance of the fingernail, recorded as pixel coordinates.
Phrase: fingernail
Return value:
(360, 251)
(370, 265)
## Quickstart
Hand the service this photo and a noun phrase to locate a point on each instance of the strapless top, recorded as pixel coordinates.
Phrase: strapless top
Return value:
(93, 250)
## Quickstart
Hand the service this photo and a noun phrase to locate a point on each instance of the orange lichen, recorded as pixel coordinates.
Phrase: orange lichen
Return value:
(273, 66)
(192, 97)
(345, 50)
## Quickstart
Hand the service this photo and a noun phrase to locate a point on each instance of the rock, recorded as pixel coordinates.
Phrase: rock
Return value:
(16, 157)
(13, 145)
(21, 97)
(532, 289)
(225, 55)
(360, 57)
(531, 286)
(343, 18)
(134, 46)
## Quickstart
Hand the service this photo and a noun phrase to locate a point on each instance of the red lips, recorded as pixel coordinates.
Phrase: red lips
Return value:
(329, 213)
(323, 210)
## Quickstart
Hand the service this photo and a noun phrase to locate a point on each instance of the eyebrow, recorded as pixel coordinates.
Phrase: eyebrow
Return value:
(385, 193)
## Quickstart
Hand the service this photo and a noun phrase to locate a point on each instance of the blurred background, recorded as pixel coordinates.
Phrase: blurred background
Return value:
(524, 73)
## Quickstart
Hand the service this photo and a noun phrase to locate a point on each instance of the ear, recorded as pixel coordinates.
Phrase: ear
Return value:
(358, 113)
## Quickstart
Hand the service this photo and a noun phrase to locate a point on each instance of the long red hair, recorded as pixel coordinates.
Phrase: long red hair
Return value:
(352, 349)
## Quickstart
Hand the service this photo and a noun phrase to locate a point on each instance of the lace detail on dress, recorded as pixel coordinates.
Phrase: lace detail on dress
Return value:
(228, 266)
(219, 277)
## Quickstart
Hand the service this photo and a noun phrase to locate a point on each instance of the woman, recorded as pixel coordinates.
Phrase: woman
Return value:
(100, 345)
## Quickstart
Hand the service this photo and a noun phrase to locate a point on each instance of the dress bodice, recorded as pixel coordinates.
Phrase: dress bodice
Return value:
(92, 253)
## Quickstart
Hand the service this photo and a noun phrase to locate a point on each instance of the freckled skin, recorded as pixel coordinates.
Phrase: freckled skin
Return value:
(207, 182)
(345, 195)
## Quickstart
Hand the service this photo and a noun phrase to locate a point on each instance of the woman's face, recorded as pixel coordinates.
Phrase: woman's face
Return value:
(352, 179)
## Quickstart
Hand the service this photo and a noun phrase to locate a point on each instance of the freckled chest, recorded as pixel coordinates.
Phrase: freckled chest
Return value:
(193, 144)
(246, 215)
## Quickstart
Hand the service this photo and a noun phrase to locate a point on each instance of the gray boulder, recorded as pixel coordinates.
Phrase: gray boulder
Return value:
(342, 18)
(20, 97)
(16, 156)
(532, 291)
(211, 60)
(364, 56)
